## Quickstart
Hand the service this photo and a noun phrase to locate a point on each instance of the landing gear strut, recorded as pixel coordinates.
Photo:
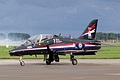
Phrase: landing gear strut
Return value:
(22, 63)
(74, 61)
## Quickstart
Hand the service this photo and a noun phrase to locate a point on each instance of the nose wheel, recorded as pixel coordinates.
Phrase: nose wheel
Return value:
(22, 63)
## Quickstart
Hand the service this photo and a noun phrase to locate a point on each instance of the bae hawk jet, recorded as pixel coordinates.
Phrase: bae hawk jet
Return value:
(51, 46)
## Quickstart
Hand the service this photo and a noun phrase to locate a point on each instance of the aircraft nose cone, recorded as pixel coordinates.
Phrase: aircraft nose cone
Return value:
(11, 52)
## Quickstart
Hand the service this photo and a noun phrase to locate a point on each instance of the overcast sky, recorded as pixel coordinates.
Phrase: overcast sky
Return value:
(58, 16)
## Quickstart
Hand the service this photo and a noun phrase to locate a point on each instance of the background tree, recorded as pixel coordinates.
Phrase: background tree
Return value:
(2, 36)
(108, 36)
(18, 36)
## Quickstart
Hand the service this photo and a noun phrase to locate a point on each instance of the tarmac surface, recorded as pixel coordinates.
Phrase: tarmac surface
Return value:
(35, 69)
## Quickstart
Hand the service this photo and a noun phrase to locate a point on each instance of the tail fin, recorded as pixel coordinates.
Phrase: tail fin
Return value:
(90, 31)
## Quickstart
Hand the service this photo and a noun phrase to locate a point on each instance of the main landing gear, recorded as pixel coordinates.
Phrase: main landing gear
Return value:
(22, 63)
(52, 57)
(72, 59)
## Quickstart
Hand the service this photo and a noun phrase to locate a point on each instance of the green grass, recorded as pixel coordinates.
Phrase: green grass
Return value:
(104, 53)
(4, 52)
(109, 52)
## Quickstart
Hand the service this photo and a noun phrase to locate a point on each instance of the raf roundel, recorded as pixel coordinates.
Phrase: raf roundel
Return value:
(80, 45)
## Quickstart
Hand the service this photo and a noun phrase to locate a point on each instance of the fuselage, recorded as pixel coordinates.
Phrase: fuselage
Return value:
(58, 45)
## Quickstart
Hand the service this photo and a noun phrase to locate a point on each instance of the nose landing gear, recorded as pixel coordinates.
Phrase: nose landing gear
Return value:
(22, 63)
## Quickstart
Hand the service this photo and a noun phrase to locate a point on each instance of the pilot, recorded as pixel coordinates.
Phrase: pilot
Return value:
(40, 42)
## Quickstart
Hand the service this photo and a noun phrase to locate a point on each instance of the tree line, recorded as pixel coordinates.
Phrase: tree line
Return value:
(2, 36)
(107, 36)
(15, 36)
(18, 36)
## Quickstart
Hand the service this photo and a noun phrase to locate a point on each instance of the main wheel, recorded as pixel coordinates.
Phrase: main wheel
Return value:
(48, 62)
(74, 62)
(56, 58)
(22, 63)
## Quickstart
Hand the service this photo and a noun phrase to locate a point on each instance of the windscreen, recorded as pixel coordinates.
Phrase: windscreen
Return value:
(37, 38)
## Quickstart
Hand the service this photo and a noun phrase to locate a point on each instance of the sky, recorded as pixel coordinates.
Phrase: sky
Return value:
(58, 16)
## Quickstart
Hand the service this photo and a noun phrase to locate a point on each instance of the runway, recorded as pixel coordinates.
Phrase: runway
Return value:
(35, 69)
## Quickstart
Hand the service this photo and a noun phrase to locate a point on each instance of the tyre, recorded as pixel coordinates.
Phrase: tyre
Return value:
(48, 62)
(22, 63)
(56, 58)
(74, 62)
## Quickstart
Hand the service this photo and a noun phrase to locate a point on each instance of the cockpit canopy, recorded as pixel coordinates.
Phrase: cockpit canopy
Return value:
(37, 38)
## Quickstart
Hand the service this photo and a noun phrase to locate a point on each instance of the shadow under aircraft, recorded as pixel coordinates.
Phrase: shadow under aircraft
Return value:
(51, 46)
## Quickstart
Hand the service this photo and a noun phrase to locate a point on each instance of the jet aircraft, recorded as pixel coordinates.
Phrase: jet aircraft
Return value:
(51, 46)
